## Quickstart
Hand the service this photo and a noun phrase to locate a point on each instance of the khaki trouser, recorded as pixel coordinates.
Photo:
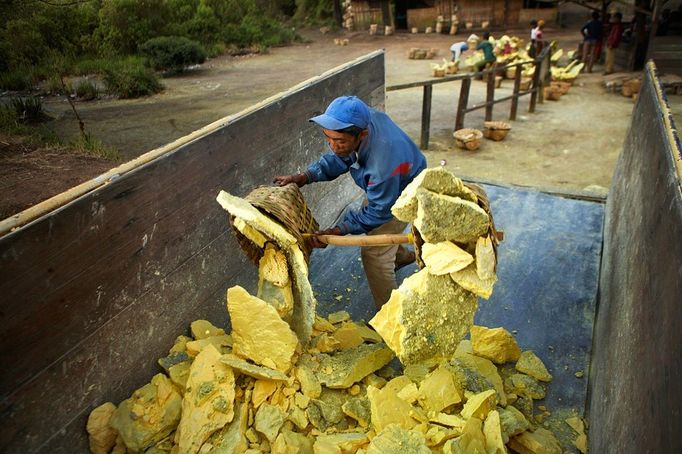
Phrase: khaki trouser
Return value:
(379, 262)
(610, 59)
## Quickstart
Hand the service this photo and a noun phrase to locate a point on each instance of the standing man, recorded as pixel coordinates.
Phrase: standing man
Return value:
(612, 42)
(382, 160)
(591, 32)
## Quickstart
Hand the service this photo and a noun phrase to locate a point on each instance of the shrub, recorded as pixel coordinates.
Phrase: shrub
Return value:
(29, 109)
(131, 79)
(86, 90)
(173, 53)
(18, 80)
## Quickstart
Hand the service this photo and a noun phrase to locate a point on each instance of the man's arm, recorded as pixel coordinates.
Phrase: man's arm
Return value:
(380, 198)
(327, 168)
(299, 178)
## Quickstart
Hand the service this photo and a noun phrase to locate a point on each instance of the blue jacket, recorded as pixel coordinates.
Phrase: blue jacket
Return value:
(387, 161)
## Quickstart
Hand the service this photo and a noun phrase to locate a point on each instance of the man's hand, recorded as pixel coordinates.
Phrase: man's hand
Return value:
(282, 180)
(314, 242)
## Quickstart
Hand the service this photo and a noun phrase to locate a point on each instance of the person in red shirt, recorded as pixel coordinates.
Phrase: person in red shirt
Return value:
(613, 41)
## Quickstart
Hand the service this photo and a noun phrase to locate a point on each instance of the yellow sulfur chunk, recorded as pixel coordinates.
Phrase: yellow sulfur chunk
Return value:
(425, 318)
(492, 429)
(439, 390)
(468, 278)
(208, 403)
(445, 218)
(495, 344)
(445, 257)
(387, 408)
(436, 179)
(396, 439)
(258, 331)
(479, 405)
(485, 258)
(541, 441)
(529, 364)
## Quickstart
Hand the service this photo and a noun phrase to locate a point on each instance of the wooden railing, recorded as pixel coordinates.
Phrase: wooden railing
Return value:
(540, 76)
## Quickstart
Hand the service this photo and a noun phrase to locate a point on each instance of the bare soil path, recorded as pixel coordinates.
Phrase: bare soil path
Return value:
(571, 144)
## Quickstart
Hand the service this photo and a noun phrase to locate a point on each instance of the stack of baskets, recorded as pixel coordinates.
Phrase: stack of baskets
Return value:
(285, 205)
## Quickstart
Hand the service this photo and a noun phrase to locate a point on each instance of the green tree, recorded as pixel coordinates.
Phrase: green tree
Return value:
(126, 24)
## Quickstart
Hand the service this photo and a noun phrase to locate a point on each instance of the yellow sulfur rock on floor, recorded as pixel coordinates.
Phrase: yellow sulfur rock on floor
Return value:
(102, 438)
(149, 415)
(455, 405)
(425, 318)
(530, 364)
(350, 366)
(329, 387)
(495, 344)
(258, 332)
(208, 403)
(395, 439)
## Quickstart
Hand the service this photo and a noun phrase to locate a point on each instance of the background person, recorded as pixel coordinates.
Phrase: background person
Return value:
(591, 32)
(613, 41)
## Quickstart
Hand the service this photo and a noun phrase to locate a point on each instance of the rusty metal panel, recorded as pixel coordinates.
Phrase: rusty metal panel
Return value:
(636, 371)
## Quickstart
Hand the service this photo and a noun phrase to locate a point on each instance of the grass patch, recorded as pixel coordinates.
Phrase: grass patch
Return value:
(20, 79)
(89, 145)
(86, 90)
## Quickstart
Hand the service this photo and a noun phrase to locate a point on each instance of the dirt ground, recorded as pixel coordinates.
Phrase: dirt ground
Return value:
(570, 145)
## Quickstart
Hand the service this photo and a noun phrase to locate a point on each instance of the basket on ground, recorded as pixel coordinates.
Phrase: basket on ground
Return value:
(496, 130)
(285, 205)
(552, 93)
(562, 86)
(468, 138)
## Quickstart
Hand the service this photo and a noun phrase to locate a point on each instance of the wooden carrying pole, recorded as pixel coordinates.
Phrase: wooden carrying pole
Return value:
(363, 240)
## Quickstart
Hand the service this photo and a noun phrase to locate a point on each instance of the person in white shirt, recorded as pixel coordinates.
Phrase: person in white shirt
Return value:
(462, 46)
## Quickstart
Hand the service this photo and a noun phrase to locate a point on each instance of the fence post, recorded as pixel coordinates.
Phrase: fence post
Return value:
(426, 117)
(536, 86)
(490, 94)
(515, 93)
(463, 101)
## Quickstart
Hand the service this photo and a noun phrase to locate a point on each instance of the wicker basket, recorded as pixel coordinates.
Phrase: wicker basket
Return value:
(525, 83)
(563, 87)
(511, 72)
(468, 138)
(496, 130)
(552, 93)
(285, 205)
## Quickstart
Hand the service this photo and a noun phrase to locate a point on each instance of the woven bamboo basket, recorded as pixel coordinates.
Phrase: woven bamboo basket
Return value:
(285, 205)
(563, 87)
(496, 130)
(552, 93)
(468, 138)
(525, 83)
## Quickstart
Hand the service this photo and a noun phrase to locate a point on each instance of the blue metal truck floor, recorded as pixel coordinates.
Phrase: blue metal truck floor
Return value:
(548, 272)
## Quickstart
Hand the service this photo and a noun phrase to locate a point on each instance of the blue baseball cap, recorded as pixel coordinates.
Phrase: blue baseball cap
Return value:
(344, 112)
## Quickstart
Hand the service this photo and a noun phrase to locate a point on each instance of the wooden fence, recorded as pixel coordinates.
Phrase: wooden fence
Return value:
(540, 76)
